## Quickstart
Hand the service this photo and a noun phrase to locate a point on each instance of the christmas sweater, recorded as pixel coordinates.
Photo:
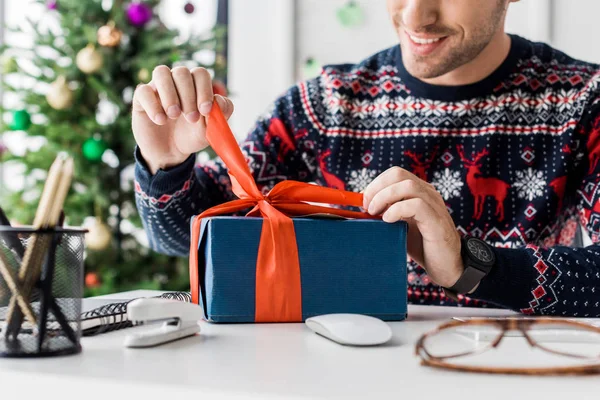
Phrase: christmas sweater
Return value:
(515, 157)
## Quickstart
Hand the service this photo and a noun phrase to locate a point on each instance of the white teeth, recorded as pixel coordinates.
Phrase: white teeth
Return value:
(423, 41)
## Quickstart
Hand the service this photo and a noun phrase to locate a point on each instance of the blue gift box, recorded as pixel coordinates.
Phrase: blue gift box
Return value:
(346, 266)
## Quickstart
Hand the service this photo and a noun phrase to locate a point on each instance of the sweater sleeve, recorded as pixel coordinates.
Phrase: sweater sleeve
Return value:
(167, 200)
(558, 280)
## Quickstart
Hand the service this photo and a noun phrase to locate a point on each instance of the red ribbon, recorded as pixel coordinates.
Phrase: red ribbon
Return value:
(278, 286)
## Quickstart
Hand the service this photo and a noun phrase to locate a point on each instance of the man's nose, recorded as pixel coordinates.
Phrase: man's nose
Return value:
(418, 14)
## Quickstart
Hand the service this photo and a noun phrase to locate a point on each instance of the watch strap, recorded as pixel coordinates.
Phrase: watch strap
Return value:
(470, 277)
(468, 280)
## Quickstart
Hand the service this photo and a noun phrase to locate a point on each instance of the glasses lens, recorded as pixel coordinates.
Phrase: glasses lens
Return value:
(461, 340)
(567, 340)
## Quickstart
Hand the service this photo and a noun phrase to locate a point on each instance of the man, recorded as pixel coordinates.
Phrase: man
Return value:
(462, 131)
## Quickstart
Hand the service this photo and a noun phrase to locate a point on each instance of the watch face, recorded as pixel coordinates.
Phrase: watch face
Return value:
(480, 251)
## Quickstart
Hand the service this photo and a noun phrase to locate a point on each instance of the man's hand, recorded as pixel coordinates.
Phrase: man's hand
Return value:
(169, 115)
(433, 241)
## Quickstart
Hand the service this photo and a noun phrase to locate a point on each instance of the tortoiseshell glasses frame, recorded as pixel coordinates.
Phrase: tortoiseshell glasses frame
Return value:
(504, 325)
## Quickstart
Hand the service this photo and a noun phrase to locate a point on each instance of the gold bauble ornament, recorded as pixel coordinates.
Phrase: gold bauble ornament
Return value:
(59, 96)
(144, 75)
(10, 65)
(109, 36)
(89, 60)
(99, 235)
(220, 60)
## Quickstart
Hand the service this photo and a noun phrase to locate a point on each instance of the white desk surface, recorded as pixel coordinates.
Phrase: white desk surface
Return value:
(275, 361)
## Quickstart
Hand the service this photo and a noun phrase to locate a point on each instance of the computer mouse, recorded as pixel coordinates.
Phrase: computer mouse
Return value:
(351, 329)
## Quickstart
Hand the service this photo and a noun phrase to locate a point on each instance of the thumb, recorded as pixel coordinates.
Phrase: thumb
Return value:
(225, 104)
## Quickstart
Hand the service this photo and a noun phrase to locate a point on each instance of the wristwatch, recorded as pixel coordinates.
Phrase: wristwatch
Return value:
(478, 259)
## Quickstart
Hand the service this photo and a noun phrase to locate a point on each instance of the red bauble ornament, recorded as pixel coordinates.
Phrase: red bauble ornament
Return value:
(189, 8)
(92, 280)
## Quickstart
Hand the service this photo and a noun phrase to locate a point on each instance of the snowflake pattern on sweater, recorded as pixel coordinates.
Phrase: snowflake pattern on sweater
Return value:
(514, 156)
(448, 183)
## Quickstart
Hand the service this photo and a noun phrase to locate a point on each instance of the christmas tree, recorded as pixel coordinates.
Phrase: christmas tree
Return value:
(81, 79)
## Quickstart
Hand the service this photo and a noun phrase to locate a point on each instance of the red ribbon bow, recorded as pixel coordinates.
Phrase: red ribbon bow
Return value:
(278, 287)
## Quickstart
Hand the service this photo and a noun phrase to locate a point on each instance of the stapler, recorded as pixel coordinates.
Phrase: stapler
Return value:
(181, 320)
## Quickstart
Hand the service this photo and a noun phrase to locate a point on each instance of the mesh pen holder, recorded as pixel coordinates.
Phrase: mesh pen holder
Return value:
(44, 318)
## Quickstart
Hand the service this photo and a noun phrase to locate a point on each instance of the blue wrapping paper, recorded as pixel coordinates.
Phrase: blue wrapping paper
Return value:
(346, 266)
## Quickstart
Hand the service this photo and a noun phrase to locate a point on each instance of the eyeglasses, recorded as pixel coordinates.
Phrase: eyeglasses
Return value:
(454, 345)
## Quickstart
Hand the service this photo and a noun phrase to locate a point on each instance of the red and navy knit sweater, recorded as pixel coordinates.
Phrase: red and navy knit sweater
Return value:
(515, 157)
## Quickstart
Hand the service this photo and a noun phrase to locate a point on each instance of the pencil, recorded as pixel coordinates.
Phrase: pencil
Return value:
(47, 216)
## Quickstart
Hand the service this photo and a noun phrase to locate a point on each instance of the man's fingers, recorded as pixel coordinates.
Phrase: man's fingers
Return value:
(417, 209)
(163, 81)
(204, 92)
(225, 104)
(391, 194)
(387, 178)
(402, 191)
(184, 84)
(146, 100)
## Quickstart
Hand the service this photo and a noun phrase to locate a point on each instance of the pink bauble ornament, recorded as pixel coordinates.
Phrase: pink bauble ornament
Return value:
(139, 14)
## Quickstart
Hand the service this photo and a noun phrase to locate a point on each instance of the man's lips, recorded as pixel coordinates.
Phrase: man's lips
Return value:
(424, 45)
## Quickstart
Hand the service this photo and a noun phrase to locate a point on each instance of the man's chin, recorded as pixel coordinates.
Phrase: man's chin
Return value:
(423, 70)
